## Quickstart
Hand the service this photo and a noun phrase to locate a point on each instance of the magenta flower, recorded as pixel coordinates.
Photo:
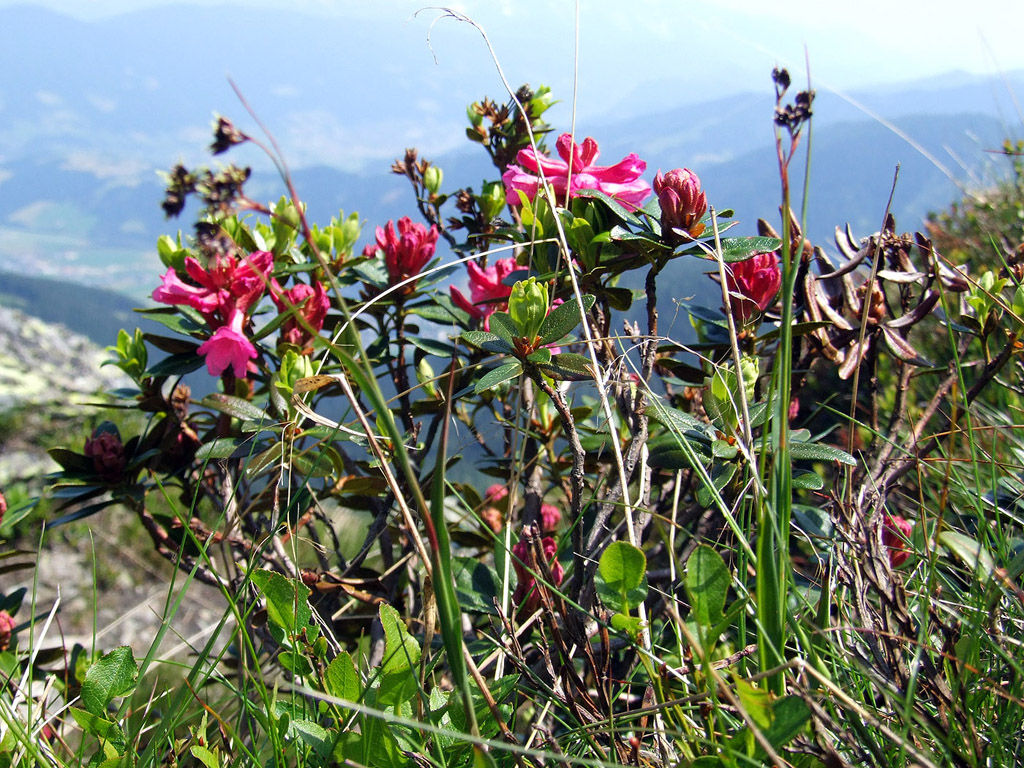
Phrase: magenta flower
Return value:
(227, 289)
(621, 181)
(311, 303)
(895, 532)
(487, 289)
(228, 347)
(753, 285)
(6, 630)
(683, 204)
(227, 283)
(526, 595)
(407, 251)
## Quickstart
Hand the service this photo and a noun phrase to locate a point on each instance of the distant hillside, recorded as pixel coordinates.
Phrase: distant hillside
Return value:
(94, 313)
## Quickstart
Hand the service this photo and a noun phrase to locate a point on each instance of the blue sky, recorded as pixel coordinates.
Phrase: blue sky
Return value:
(850, 44)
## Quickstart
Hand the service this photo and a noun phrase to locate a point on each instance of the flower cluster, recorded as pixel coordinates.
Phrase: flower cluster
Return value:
(577, 170)
(406, 251)
(225, 292)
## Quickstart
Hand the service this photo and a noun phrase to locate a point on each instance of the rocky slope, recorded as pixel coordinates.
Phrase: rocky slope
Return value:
(43, 368)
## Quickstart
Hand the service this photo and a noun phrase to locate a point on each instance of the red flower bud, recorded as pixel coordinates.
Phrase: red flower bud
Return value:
(753, 285)
(895, 532)
(107, 454)
(683, 204)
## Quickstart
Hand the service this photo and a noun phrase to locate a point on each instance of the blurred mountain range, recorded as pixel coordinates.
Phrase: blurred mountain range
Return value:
(95, 110)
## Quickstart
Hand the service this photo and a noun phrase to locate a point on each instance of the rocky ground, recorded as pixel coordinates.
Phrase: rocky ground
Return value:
(101, 571)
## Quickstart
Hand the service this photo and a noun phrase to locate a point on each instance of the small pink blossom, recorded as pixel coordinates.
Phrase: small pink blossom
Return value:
(311, 303)
(3, 508)
(406, 251)
(753, 284)
(487, 289)
(6, 630)
(896, 531)
(496, 492)
(228, 347)
(550, 517)
(576, 171)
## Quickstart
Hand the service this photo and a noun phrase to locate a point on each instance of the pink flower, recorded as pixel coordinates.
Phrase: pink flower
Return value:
(487, 289)
(496, 493)
(3, 508)
(6, 630)
(526, 595)
(310, 303)
(895, 532)
(407, 251)
(683, 204)
(228, 347)
(550, 517)
(621, 181)
(753, 284)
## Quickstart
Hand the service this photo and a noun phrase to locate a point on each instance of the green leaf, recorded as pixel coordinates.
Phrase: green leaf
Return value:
(475, 584)
(101, 728)
(312, 735)
(177, 365)
(807, 480)
(236, 407)
(432, 346)
(674, 419)
(707, 584)
(970, 552)
(488, 342)
(631, 625)
(819, 452)
(499, 375)
(568, 366)
(621, 578)
(502, 325)
(113, 675)
(341, 679)
(742, 248)
(220, 448)
(401, 651)
(789, 717)
(288, 608)
(563, 319)
(205, 756)
(721, 475)
(756, 702)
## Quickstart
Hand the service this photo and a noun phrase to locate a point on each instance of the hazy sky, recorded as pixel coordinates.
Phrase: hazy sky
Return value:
(850, 44)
